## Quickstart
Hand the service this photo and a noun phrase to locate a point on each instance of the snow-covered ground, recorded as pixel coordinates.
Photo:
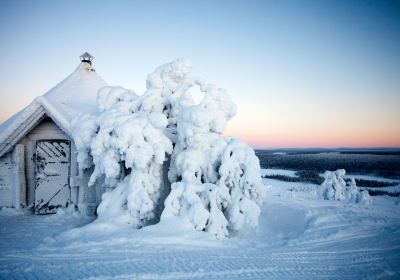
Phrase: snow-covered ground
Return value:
(299, 236)
(372, 178)
(272, 171)
(389, 189)
(292, 173)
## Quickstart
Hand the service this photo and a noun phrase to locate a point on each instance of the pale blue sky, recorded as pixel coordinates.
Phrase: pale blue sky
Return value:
(303, 73)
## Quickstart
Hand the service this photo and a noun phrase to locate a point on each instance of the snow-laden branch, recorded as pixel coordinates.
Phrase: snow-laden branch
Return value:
(215, 181)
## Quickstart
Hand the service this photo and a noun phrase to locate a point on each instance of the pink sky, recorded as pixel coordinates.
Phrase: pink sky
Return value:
(302, 73)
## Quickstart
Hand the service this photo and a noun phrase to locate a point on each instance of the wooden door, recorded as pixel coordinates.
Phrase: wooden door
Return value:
(52, 166)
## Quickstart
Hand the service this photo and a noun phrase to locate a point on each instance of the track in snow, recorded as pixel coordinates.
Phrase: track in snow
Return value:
(299, 238)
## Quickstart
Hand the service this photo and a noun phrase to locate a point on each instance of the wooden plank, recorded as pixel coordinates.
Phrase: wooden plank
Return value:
(19, 184)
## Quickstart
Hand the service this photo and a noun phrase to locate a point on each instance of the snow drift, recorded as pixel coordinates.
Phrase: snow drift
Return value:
(215, 181)
(334, 187)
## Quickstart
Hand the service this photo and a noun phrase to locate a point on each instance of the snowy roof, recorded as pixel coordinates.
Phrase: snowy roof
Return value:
(75, 94)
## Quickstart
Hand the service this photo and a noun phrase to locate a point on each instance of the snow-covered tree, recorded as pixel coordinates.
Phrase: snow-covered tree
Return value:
(354, 194)
(334, 187)
(215, 180)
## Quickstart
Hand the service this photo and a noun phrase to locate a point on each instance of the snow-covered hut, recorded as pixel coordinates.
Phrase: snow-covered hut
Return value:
(38, 158)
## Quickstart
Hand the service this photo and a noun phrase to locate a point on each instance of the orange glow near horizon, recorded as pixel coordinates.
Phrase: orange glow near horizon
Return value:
(271, 140)
(265, 131)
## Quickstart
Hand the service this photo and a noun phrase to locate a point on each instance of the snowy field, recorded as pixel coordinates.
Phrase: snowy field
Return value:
(270, 172)
(292, 173)
(389, 189)
(299, 237)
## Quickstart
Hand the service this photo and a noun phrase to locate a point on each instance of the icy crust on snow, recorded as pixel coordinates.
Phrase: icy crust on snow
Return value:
(215, 181)
(334, 187)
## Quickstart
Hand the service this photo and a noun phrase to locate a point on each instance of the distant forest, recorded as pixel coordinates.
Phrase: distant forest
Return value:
(379, 162)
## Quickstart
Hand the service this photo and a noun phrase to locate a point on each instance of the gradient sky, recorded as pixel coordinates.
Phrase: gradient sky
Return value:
(303, 73)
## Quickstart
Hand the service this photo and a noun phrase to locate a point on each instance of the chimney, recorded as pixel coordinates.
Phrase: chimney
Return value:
(86, 57)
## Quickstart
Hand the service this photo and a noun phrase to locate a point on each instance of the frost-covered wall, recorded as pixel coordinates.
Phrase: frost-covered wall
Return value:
(46, 129)
(6, 180)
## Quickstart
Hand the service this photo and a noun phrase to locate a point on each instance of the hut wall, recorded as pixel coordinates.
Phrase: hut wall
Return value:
(6, 180)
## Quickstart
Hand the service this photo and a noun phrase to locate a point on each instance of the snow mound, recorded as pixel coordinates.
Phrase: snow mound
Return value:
(215, 181)
(71, 210)
(334, 187)
(11, 211)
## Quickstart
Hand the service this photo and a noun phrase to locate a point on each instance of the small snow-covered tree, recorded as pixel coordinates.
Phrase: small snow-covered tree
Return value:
(354, 194)
(215, 181)
(334, 187)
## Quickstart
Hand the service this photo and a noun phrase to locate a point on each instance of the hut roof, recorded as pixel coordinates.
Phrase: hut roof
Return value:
(75, 94)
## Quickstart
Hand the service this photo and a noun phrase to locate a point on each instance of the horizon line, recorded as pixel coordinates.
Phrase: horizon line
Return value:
(327, 148)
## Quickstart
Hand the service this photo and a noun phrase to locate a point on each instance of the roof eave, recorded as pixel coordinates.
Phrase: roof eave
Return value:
(21, 130)
(43, 108)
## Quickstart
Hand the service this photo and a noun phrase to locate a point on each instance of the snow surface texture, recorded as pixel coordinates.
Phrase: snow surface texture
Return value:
(299, 236)
(215, 181)
(334, 188)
